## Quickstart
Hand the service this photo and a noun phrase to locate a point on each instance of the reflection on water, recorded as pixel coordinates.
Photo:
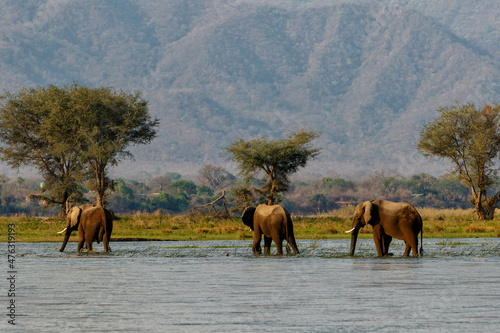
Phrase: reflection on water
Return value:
(222, 287)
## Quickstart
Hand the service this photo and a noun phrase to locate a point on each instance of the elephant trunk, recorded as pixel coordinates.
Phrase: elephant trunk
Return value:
(65, 241)
(354, 238)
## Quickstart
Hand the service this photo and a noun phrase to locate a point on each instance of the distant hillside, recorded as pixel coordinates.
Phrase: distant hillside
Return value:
(366, 75)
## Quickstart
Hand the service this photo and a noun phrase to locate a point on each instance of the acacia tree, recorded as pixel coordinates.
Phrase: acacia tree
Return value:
(274, 159)
(36, 128)
(108, 122)
(470, 138)
(72, 135)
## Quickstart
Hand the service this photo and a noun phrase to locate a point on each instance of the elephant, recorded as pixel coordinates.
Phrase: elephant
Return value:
(72, 222)
(272, 221)
(388, 219)
(94, 223)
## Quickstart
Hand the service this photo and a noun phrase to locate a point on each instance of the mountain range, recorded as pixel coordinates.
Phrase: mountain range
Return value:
(367, 75)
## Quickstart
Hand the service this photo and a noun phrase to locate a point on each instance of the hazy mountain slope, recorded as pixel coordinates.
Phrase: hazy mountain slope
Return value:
(367, 75)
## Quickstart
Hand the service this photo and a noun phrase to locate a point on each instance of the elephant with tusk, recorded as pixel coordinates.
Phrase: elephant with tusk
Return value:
(93, 224)
(388, 219)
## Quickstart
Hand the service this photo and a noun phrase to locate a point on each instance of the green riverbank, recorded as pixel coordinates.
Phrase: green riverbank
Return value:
(445, 223)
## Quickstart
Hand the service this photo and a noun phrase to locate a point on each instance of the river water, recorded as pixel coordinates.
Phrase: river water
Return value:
(221, 287)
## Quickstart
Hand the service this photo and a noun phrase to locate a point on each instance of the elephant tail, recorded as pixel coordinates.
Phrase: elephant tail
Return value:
(287, 243)
(287, 231)
(422, 242)
(421, 237)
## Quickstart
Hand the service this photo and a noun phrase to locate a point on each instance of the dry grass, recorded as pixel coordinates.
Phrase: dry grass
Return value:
(438, 223)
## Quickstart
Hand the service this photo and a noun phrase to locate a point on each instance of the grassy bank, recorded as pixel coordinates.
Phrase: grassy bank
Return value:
(446, 223)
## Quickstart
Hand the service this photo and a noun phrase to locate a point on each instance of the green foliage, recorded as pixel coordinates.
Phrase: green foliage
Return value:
(38, 127)
(318, 200)
(204, 190)
(169, 203)
(309, 197)
(328, 184)
(470, 139)
(122, 189)
(72, 135)
(184, 187)
(275, 160)
(420, 184)
(108, 122)
(173, 175)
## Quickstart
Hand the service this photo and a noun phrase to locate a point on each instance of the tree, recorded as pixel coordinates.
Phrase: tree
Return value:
(71, 134)
(184, 187)
(318, 200)
(420, 184)
(243, 198)
(109, 121)
(275, 159)
(37, 126)
(470, 138)
(161, 182)
(213, 176)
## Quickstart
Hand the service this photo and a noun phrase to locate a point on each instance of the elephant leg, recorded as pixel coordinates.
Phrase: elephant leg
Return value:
(412, 242)
(81, 241)
(256, 242)
(293, 244)
(105, 243)
(378, 236)
(387, 243)
(88, 242)
(105, 240)
(109, 229)
(407, 249)
(89, 247)
(279, 246)
(267, 244)
(278, 240)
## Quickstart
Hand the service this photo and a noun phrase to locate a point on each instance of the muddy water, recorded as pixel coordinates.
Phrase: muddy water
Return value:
(222, 287)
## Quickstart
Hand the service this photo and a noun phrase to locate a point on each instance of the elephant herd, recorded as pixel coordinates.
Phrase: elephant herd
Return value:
(388, 219)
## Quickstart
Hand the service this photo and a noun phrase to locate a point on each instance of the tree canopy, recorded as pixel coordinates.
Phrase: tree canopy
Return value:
(276, 159)
(109, 121)
(37, 127)
(470, 139)
(71, 135)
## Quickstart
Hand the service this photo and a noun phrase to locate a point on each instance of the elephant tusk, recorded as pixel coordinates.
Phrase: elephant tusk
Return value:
(348, 232)
(60, 232)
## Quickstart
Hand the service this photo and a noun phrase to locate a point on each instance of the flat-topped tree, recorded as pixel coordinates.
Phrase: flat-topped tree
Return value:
(110, 121)
(470, 139)
(276, 159)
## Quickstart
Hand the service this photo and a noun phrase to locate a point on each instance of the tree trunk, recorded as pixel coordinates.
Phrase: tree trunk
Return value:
(491, 204)
(485, 208)
(64, 204)
(271, 199)
(101, 186)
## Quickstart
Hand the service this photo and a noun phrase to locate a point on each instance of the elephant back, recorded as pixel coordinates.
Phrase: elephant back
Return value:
(269, 210)
(95, 213)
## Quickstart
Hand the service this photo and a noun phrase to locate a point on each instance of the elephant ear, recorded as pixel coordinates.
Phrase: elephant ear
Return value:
(368, 211)
(74, 217)
(247, 216)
